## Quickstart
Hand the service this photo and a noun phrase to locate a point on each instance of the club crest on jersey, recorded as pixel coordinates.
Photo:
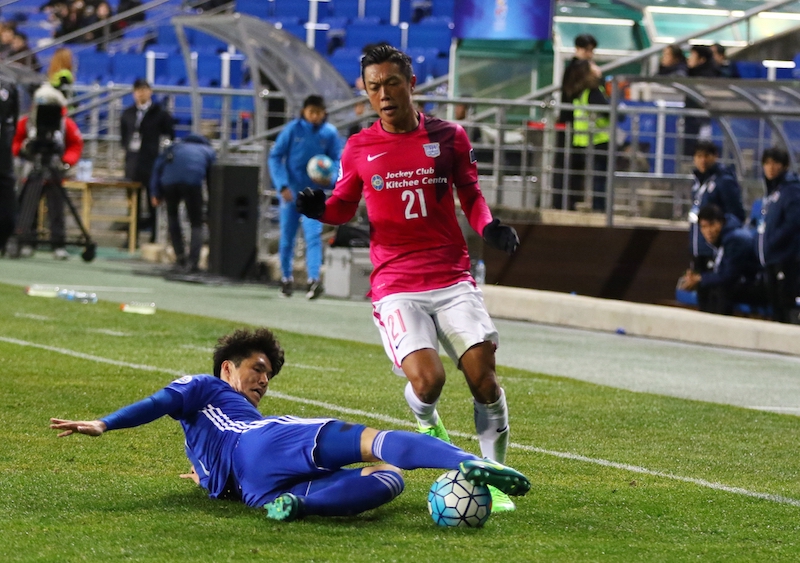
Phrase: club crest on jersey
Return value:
(377, 183)
(432, 149)
(184, 380)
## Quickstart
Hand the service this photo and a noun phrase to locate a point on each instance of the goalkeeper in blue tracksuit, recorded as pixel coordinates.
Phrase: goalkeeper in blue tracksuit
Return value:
(292, 467)
(301, 139)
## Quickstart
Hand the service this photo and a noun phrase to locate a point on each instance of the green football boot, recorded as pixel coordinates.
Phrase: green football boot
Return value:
(438, 431)
(501, 502)
(286, 507)
(488, 472)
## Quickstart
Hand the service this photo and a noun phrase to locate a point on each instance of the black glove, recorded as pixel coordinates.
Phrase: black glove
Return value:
(311, 203)
(501, 237)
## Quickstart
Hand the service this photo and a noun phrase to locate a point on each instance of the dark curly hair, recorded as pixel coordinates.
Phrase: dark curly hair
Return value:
(242, 344)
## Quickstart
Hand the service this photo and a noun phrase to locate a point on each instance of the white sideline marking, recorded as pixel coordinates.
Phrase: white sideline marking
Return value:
(777, 409)
(108, 331)
(564, 455)
(32, 316)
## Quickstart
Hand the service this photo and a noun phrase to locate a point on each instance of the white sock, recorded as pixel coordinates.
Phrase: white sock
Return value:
(491, 425)
(426, 413)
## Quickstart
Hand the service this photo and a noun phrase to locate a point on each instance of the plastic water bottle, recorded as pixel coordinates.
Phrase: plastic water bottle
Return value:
(138, 308)
(77, 296)
(480, 272)
(84, 171)
(39, 290)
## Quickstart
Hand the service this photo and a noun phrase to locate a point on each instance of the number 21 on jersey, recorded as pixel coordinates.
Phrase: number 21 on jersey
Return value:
(395, 326)
(415, 203)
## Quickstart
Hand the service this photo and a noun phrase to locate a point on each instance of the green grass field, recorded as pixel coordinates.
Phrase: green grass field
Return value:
(617, 476)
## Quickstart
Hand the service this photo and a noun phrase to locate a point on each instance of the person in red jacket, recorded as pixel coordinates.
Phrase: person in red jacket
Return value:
(65, 144)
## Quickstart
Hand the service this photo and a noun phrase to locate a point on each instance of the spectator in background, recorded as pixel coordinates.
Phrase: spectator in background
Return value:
(673, 62)
(73, 21)
(701, 64)
(778, 245)
(585, 45)
(6, 39)
(9, 110)
(591, 133)
(21, 49)
(102, 14)
(143, 126)
(714, 183)
(727, 69)
(178, 175)
(60, 73)
(734, 277)
(126, 5)
(301, 139)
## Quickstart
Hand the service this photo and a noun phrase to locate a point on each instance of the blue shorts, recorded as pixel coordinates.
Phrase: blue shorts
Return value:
(289, 454)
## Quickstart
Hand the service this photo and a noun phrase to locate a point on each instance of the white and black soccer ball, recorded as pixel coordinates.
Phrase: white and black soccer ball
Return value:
(454, 501)
(320, 169)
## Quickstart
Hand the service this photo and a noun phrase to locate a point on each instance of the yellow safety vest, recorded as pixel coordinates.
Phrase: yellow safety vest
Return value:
(580, 124)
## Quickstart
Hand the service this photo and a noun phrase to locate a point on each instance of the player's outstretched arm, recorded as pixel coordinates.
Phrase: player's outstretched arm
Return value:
(88, 427)
(311, 203)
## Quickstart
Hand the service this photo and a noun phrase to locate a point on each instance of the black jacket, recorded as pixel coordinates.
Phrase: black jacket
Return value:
(720, 187)
(779, 228)
(735, 259)
(156, 122)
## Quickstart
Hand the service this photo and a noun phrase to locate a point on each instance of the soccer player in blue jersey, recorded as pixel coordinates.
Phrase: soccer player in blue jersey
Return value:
(292, 467)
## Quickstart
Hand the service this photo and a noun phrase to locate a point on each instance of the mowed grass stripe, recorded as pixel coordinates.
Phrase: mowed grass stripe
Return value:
(405, 423)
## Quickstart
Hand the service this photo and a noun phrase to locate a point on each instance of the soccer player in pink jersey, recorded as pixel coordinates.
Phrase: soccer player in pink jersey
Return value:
(405, 166)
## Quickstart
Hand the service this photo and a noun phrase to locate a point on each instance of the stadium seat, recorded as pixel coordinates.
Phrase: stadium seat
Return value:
(359, 35)
(423, 61)
(127, 67)
(443, 8)
(256, 8)
(93, 66)
(290, 8)
(348, 62)
(175, 72)
(208, 43)
(431, 33)
(166, 35)
(209, 69)
(751, 69)
(378, 9)
(345, 8)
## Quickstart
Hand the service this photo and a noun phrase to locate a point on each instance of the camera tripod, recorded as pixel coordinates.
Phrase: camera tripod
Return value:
(47, 173)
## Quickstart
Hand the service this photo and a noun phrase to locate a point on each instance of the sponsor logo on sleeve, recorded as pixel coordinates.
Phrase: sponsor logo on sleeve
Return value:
(184, 380)
(472, 159)
(432, 149)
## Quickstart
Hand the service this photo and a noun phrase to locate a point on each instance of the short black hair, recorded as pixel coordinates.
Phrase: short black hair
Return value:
(314, 100)
(386, 53)
(719, 49)
(676, 52)
(140, 83)
(585, 41)
(779, 155)
(703, 51)
(711, 213)
(243, 343)
(706, 147)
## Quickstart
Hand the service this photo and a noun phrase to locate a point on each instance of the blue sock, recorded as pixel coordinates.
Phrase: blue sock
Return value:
(410, 450)
(354, 494)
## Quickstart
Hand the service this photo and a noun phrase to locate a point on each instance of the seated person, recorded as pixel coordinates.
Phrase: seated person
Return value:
(734, 277)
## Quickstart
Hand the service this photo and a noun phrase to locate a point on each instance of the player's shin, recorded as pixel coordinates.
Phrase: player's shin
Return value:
(491, 425)
(409, 450)
(424, 412)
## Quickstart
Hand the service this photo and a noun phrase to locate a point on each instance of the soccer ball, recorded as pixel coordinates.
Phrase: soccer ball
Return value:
(320, 169)
(454, 501)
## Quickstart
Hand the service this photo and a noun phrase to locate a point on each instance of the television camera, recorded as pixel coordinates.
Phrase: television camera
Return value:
(44, 149)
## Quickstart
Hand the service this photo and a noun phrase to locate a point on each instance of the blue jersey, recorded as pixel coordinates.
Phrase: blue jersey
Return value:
(213, 416)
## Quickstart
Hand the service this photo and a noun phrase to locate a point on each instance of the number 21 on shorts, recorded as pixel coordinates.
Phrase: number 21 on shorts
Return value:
(396, 327)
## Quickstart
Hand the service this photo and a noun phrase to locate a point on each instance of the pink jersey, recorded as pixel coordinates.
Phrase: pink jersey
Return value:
(416, 243)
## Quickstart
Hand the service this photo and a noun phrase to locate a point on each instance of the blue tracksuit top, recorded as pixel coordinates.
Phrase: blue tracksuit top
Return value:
(779, 228)
(190, 162)
(720, 187)
(735, 258)
(294, 147)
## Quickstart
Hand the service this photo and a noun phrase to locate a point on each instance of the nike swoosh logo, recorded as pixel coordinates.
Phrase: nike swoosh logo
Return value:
(503, 429)
(371, 157)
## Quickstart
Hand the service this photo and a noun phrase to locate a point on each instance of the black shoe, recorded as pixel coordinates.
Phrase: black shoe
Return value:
(314, 289)
(286, 289)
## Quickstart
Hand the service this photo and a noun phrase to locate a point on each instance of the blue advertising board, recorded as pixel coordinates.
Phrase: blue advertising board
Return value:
(503, 19)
